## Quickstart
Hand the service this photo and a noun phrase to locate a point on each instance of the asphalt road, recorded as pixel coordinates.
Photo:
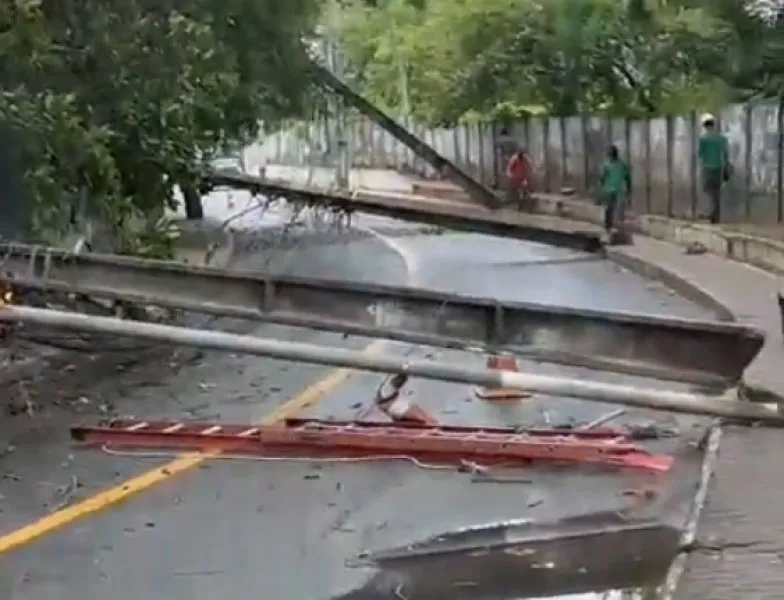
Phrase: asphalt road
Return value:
(285, 530)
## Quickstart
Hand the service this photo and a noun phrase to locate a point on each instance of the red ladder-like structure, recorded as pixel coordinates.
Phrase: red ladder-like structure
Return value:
(319, 439)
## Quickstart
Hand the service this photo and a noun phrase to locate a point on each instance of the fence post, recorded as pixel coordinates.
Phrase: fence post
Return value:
(669, 153)
(648, 166)
(466, 128)
(496, 131)
(747, 162)
(564, 154)
(458, 152)
(480, 160)
(627, 140)
(586, 150)
(780, 160)
(693, 128)
(546, 152)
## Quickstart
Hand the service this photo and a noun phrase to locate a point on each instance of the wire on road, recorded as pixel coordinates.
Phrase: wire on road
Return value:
(468, 465)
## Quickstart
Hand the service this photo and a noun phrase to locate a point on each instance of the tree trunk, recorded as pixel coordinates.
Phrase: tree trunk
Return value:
(194, 210)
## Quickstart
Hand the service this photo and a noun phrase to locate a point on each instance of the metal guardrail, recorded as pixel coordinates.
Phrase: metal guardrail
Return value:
(701, 352)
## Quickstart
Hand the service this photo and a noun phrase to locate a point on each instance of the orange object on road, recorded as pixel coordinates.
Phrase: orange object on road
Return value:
(319, 439)
(501, 362)
(399, 409)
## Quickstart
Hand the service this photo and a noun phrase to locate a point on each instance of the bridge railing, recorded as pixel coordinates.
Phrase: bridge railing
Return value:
(567, 152)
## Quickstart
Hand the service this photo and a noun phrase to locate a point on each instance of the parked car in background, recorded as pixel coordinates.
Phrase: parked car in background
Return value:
(228, 163)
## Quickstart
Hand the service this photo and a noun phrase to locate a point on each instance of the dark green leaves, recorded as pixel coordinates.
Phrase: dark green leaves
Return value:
(118, 100)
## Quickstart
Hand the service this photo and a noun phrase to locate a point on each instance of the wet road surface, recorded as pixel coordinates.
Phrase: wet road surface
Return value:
(285, 530)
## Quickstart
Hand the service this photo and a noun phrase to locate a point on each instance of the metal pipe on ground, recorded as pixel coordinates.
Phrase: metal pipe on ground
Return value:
(657, 399)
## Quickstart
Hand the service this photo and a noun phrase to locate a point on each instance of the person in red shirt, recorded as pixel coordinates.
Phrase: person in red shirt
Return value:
(518, 176)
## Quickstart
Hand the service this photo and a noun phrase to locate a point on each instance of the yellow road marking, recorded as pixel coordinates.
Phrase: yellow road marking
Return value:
(123, 491)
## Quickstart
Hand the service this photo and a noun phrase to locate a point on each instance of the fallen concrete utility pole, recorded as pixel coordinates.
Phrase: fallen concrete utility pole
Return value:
(543, 229)
(705, 353)
(657, 399)
(444, 167)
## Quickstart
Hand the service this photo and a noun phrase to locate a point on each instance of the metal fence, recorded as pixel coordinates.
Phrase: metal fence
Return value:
(567, 152)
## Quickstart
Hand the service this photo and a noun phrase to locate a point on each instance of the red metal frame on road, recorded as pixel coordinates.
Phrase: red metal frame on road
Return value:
(318, 439)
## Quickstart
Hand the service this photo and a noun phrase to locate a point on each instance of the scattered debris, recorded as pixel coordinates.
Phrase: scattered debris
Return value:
(643, 493)
(486, 477)
(67, 493)
(696, 248)
(467, 466)
(652, 431)
(717, 547)
(21, 402)
(343, 529)
(604, 419)
(398, 591)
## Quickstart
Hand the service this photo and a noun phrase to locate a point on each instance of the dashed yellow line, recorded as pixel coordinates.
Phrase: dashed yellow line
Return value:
(135, 485)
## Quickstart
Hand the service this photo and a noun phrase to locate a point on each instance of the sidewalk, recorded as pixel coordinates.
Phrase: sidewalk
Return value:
(743, 512)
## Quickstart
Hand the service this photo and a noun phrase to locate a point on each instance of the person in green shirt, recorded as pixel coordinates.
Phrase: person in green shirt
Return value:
(713, 155)
(616, 184)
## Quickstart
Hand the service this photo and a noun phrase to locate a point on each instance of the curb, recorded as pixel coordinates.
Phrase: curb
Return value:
(761, 252)
(754, 250)
(680, 285)
(748, 248)
(678, 566)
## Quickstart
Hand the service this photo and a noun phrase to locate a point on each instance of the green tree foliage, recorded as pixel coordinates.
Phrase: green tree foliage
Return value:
(116, 101)
(491, 57)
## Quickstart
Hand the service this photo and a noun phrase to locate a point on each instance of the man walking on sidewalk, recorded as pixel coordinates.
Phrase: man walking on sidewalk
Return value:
(713, 154)
(616, 185)
(518, 177)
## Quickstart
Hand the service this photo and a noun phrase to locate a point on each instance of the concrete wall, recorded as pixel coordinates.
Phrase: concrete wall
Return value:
(568, 151)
